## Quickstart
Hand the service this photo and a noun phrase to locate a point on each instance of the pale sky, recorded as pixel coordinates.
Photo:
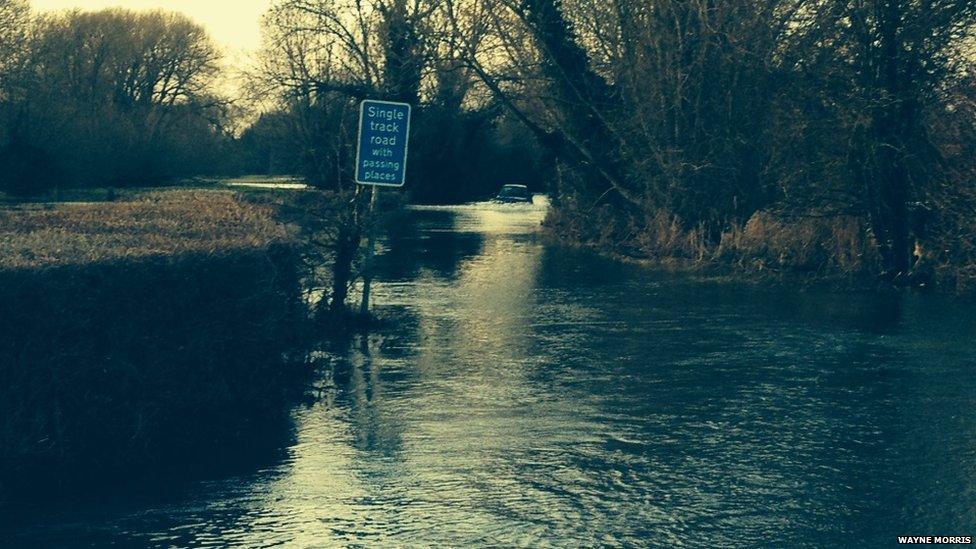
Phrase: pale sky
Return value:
(234, 24)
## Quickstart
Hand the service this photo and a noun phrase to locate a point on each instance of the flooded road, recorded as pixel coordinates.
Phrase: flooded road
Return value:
(526, 394)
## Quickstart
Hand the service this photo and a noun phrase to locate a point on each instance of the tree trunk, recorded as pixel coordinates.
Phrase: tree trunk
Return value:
(347, 244)
(894, 129)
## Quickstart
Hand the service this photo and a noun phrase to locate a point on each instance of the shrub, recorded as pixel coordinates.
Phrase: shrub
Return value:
(27, 170)
(832, 245)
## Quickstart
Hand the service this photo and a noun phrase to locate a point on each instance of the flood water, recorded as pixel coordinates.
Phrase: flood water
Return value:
(526, 394)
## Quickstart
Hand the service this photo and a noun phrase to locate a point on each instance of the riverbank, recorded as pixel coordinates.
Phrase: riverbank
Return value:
(166, 324)
(836, 250)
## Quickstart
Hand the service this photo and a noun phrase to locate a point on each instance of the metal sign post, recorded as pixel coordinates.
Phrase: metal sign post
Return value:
(381, 161)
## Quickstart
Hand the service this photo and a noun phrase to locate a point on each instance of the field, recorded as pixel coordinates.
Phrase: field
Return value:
(155, 224)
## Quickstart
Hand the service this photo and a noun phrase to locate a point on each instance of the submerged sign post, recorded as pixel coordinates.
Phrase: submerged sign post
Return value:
(381, 161)
(384, 133)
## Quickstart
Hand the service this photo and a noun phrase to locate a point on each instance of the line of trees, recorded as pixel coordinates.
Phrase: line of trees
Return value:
(107, 98)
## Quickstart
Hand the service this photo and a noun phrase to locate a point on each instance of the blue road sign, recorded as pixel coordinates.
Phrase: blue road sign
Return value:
(384, 133)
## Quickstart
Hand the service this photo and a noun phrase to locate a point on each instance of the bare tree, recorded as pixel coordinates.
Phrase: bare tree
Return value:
(113, 98)
(903, 52)
(320, 58)
(14, 32)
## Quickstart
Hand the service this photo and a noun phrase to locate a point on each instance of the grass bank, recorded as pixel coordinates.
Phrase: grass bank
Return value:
(133, 332)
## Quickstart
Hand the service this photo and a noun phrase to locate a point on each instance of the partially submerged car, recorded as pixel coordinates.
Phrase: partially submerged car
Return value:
(514, 194)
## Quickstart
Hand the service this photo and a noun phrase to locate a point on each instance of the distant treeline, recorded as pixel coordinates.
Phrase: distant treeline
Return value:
(455, 155)
(110, 98)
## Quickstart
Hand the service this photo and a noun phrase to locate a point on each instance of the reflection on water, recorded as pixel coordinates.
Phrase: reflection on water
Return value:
(280, 183)
(531, 395)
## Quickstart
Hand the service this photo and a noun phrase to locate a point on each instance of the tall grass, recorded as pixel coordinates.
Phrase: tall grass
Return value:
(835, 245)
(155, 224)
(830, 247)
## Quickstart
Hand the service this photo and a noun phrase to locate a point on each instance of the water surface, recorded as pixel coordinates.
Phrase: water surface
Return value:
(527, 394)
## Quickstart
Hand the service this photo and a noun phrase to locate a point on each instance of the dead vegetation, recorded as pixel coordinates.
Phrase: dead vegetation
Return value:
(838, 245)
(830, 247)
(156, 224)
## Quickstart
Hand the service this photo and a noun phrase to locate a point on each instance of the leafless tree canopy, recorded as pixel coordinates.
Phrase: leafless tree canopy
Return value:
(106, 98)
